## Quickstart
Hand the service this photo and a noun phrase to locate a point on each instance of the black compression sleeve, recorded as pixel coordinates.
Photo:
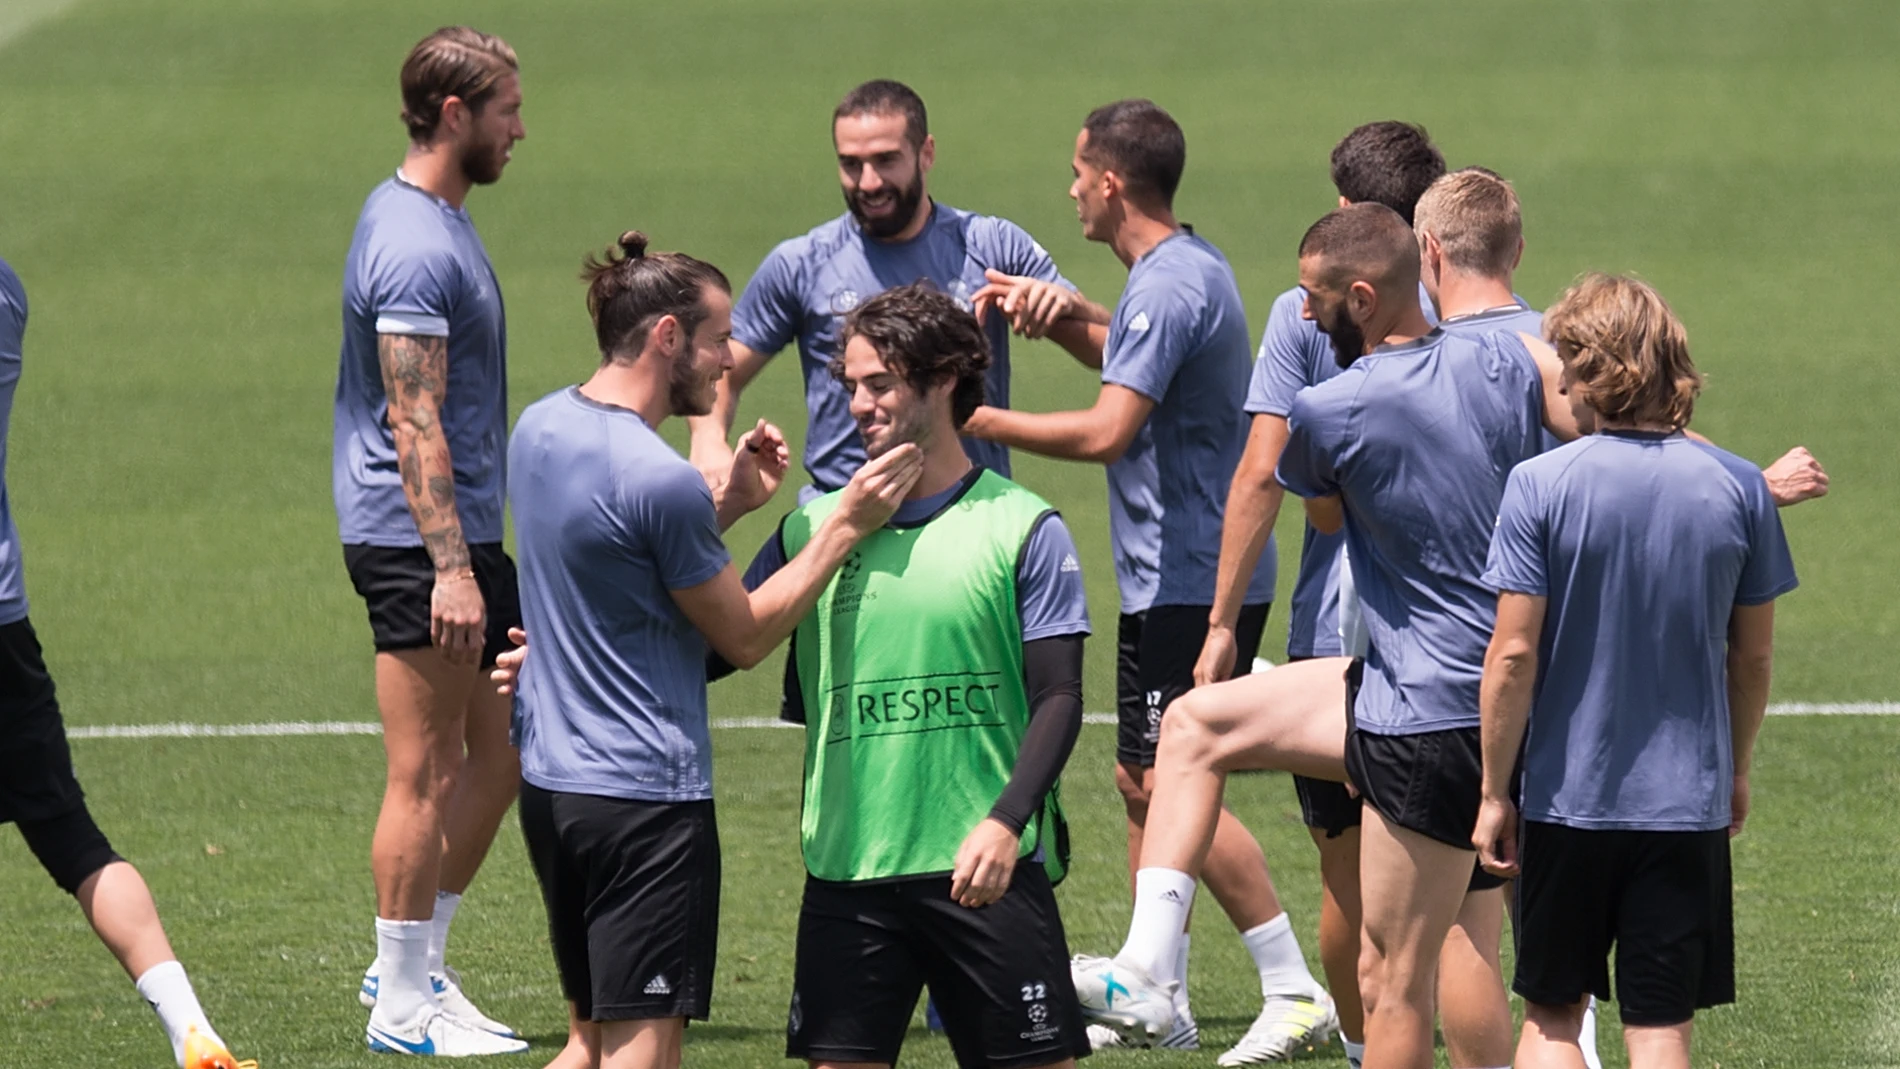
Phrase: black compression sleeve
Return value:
(1052, 674)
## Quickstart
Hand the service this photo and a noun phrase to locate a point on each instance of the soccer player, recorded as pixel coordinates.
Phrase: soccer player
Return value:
(1635, 740)
(421, 420)
(940, 679)
(1168, 425)
(1389, 163)
(625, 581)
(893, 233)
(40, 795)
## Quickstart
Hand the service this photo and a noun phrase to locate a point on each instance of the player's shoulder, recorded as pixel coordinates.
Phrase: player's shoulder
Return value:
(1333, 398)
(978, 228)
(1742, 472)
(1002, 488)
(818, 244)
(1289, 306)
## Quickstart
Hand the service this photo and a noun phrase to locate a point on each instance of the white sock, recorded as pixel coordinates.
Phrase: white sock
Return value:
(1162, 898)
(1587, 1039)
(1179, 975)
(1276, 953)
(446, 903)
(1355, 1052)
(166, 987)
(403, 992)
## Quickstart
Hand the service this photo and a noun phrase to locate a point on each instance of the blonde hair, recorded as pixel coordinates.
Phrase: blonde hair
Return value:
(1625, 350)
(454, 61)
(1475, 217)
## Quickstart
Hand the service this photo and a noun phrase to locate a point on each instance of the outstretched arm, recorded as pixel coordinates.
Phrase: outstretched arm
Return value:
(1100, 434)
(415, 381)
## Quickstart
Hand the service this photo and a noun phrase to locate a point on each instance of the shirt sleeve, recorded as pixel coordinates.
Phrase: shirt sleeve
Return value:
(1308, 466)
(682, 528)
(1049, 591)
(1011, 250)
(1154, 333)
(767, 561)
(1518, 561)
(414, 293)
(770, 311)
(1769, 571)
(1283, 367)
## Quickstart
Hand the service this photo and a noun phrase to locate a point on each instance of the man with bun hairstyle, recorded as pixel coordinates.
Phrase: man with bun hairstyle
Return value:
(421, 421)
(893, 233)
(1634, 741)
(627, 585)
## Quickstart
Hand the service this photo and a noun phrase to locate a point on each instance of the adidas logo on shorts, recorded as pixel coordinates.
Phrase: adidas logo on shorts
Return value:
(659, 986)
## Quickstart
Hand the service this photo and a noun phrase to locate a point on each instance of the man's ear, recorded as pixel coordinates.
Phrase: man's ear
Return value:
(1362, 301)
(927, 154)
(456, 116)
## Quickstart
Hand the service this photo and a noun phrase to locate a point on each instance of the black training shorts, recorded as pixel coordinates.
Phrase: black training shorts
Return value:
(1154, 664)
(632, 893)
(397, 583)
(1326, 806)
(999, 974)
(1662, 898)
(1429, 783)
(36, 768)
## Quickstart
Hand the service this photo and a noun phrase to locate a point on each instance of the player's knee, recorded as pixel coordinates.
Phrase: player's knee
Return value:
(1129, 781)
(1186, 734)
(70, 847)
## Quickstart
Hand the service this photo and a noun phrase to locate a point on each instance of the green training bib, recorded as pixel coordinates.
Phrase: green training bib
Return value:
(910, 668)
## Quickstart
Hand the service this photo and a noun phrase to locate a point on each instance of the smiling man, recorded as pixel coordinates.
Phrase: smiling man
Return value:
(892, 234)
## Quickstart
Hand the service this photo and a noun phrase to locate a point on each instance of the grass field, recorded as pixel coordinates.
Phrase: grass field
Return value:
(179, 185)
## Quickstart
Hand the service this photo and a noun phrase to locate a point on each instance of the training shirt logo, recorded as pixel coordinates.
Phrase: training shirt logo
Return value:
(1070, 564)
(844, 300)
(865, 709)
(1139, 323)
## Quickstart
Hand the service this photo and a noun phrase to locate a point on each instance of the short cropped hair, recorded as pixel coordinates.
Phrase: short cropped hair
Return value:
(1141, 143)
(1626, 351)
(923, 335)
(1390, 163)
(1364, 241)
(1475, 217)
(885, 97)
(629, 293)
(454, 61)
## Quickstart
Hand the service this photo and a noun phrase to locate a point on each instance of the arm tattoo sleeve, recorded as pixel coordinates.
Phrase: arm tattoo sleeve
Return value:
(415, 380)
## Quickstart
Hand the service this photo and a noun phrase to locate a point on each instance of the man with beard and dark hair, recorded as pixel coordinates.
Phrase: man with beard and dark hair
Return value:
(421, 419)
(892, 234)
(625, 583)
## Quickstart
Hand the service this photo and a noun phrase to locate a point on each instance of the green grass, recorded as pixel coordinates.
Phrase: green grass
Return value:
(180, 181)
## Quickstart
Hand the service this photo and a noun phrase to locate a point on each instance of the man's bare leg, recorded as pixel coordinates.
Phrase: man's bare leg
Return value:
(583, 1044)
(490, 780)
(1472, 1004)
(1339, 926)
(649, 1044)
(423, 700)
(1412, 890)
(1550, 1036)
(1662, 1047)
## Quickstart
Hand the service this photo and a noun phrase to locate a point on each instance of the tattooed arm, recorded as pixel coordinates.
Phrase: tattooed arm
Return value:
(415, 380)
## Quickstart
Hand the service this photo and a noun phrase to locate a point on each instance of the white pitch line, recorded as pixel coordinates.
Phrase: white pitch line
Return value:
(306, 728)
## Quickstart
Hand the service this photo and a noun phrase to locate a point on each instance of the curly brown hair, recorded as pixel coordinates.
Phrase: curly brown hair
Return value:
(926, 337)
